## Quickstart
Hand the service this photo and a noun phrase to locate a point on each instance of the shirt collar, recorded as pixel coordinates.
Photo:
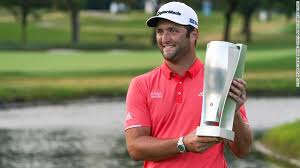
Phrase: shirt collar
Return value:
(191, 72)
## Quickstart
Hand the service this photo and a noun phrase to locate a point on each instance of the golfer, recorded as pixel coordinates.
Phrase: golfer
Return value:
(163, 106)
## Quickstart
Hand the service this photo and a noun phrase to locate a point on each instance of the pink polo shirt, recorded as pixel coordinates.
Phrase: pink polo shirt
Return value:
(171, 106)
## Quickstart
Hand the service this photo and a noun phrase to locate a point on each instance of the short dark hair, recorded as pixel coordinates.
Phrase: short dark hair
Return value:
(189, 29)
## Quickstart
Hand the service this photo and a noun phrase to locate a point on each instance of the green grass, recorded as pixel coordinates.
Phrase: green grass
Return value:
(56, 75)
(98, 30)
(60, 74)
(101, 30)
(284, 139)
(60, 60)
(63, 74)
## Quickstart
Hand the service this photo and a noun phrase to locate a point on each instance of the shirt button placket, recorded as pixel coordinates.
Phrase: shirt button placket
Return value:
(179, 90)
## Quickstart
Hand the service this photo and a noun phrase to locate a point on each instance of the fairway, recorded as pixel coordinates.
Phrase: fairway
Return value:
(55, 61)
(72, 61)
(59, 74)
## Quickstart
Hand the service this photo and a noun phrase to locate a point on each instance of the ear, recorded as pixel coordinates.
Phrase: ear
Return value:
(195, 34)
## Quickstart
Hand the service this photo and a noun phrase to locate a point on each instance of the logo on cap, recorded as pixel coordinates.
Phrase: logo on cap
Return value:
(169, 11)
(193, 21)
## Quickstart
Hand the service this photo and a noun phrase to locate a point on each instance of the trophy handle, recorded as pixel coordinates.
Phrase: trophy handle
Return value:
(240, 69)
(230, 105)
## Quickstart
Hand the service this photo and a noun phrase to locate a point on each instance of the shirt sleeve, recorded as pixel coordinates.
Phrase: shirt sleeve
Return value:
(137, 112)
(244, 114)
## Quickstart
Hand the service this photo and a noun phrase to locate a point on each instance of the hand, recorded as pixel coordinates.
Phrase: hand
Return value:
(198, 144)
(238, 92)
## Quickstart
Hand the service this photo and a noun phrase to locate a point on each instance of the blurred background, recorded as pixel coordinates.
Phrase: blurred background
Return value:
(65, 66)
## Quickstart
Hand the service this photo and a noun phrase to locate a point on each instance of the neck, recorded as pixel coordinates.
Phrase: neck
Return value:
(180, 67)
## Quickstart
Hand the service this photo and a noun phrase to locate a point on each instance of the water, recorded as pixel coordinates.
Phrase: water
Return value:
(89, 134)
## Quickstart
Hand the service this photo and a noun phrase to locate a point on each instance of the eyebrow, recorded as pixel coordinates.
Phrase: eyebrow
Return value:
(172, 26)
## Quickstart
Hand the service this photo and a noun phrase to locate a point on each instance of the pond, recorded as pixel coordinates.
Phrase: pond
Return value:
(89, 134)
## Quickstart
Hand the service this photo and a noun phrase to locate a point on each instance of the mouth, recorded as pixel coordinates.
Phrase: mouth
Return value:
(168, 47)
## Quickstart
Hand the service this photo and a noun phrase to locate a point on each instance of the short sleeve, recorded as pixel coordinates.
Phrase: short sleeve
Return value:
(244, 114)
(137, 112)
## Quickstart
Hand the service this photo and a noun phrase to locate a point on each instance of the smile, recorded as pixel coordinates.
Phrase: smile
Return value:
(168, 47)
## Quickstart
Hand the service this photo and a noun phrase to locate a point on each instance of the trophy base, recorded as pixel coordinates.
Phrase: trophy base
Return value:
(215, 131)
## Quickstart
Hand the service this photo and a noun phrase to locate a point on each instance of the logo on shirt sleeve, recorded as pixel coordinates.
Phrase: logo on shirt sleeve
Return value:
(128, 116)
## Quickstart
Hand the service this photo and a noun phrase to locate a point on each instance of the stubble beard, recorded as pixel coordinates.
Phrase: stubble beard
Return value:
(175, 55)
(170, 56)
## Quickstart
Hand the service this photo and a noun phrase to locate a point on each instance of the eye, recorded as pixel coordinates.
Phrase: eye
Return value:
(159, 31)
(173, 30)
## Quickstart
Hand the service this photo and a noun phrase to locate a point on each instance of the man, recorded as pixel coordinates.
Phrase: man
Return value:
(163, 106)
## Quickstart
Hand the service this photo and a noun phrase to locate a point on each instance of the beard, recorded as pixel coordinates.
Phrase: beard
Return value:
(170, 54)
(175, 53)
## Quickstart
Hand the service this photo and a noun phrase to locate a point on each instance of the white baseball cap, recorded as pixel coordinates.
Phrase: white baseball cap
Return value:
(177, 12)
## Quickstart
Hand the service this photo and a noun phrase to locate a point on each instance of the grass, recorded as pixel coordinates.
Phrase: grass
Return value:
(284, 139)
(68, 60)
(63, 74)
(97, 30)
(56, 74)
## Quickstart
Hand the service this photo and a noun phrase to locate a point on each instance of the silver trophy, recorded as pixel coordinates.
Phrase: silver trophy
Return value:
(224, 61)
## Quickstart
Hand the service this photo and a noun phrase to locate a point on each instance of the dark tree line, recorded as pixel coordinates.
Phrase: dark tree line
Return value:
(247, 8)
(21, 9)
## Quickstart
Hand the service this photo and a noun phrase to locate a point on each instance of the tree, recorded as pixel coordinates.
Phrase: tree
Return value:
(286, 7)
(231, 8)
(247, 9)
(21, 9)
(74, 7)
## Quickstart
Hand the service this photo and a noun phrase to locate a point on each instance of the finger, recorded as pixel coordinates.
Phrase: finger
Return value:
(242, 81)
(244, 97)
(203, 139)
(238, 85)
(236, 90)
(240, 100)
(235, 97)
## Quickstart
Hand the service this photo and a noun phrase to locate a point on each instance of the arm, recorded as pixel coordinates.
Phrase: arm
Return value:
(241, 145)
(142, 146)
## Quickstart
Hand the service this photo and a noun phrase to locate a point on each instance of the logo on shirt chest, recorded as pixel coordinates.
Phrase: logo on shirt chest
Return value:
(200, 94)
(157, 94)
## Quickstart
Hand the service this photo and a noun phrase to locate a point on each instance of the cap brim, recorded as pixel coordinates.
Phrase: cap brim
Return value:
(152, 22)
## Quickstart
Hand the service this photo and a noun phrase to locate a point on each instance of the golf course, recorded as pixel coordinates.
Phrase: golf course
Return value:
(115, 48)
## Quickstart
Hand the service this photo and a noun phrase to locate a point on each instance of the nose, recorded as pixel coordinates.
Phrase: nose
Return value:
(165, 37)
